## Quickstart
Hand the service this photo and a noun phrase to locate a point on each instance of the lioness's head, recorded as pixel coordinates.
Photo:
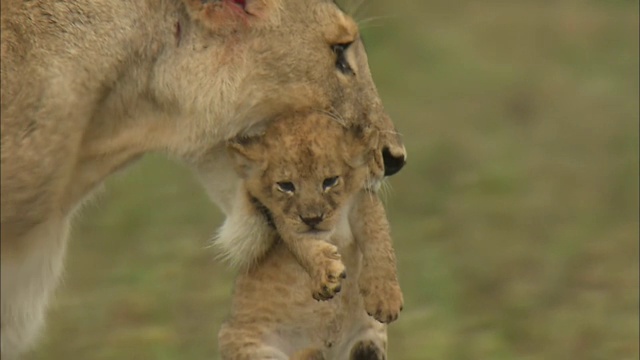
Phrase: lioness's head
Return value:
(239, 63)
(304, 170)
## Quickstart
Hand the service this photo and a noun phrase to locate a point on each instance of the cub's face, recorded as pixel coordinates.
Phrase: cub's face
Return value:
(305, 170)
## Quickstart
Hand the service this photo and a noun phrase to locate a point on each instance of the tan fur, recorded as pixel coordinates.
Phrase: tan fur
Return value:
(89, 86)
(307, 175)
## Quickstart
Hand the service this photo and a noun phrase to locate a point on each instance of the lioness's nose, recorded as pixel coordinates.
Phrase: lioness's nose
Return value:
(312, 221)
(392, 162)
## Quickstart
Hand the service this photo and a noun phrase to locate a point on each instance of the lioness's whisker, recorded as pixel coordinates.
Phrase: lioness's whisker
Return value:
(333, 115)
(368, 22)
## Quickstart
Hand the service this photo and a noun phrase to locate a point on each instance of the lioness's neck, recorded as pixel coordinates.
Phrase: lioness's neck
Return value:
(127, 121)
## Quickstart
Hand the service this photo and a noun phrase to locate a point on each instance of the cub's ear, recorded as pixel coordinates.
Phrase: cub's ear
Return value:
(228, 16)
(361, 145)
(246, 155)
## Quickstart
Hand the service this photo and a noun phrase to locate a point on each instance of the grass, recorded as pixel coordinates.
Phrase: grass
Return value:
(515, 221)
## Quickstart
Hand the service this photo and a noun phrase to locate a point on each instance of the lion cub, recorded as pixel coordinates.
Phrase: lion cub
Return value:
(307, 177)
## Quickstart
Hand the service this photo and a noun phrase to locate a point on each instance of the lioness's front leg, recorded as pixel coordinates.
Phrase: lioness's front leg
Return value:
(322, 262)
(378, 280)
(29, 277)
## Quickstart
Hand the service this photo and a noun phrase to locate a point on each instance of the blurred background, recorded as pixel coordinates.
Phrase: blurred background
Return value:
(515, 220)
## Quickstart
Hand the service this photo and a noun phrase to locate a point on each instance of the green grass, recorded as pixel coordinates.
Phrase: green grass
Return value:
(515, 221)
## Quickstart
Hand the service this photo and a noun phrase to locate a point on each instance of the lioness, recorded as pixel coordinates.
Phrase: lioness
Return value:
(89, 86)
(307, 176)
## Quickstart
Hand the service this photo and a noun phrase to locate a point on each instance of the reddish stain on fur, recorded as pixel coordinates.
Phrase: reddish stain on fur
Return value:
(226, 14)
(242, 3)
(178, 33)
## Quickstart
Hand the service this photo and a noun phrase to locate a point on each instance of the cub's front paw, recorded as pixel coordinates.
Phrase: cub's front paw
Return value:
(382, 299)
(328, 275)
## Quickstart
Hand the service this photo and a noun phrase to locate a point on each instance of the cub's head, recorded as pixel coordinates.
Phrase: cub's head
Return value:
(305, 169)
(231, 65)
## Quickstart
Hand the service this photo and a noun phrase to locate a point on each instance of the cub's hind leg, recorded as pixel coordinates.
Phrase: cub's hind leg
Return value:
(240, 342)
(308, 354)
(366, 340)
(30, 273)
(367, 350)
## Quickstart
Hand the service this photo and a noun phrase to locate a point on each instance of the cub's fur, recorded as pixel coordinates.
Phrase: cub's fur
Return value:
(307, 176)
(90, 86)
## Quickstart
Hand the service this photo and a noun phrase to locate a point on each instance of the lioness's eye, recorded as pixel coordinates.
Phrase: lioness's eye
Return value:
(341, 60)
(286, 187)
(329, 182)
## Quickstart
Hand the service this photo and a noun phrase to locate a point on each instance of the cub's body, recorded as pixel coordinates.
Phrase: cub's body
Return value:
(273, 315)
(295, 302)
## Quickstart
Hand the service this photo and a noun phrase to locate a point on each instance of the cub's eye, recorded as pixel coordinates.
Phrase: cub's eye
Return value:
(328, 183)
(341, 60)
(286, 187)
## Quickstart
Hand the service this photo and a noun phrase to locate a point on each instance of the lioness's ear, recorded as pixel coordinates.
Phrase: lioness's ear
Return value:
(362, 143)
(228, 15)
(246, 155)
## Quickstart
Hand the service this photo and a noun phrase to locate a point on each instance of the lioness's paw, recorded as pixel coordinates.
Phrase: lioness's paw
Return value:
(329, 273)
(382, 299)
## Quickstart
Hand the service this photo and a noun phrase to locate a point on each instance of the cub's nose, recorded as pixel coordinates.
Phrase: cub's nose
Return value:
(392, 163)
(312, 221)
